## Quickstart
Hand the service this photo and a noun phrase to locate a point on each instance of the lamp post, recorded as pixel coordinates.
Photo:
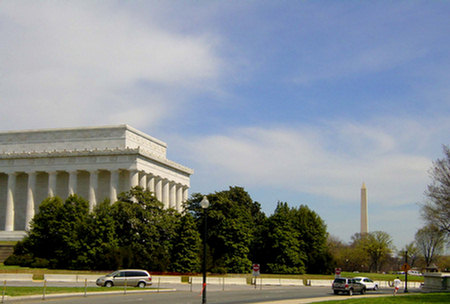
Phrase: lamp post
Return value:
(205, 204)
(406, 271)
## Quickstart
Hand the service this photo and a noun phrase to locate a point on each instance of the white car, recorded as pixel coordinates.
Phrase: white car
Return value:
(370, 285)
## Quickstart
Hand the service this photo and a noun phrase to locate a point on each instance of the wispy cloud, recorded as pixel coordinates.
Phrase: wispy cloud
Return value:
(72, 63)
(330, 160)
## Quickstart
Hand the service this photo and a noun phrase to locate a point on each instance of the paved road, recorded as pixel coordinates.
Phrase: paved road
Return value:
(215, 295)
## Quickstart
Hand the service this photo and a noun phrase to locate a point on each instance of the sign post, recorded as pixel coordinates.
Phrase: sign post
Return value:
(256, 273)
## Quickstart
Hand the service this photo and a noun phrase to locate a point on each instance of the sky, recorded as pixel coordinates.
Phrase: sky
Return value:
(296, 101)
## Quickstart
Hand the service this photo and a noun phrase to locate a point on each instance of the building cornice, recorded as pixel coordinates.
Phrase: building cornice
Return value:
(96, 152)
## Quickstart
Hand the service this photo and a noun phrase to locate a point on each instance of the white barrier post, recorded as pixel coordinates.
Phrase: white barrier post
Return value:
(159, 281)
(85, 287)
(4, 291)
(190, 282)
(45, 287)
(125, 287)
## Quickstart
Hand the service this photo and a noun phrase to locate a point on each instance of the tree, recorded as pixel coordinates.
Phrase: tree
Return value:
(146, 230)
(413, 253)
(296, 241)
(436, 210)
(373, 248)
(187, 246)
(283, 243)
(56, 238)
(430, 241)
(232, 218)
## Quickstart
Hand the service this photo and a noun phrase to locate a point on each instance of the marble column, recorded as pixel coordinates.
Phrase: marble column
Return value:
(52, 183)
(158, 188)
(179, 198)
(72, 182)
(172, 195)
(134, 178)
(151, 183)
(31, 190)
(113, 185)
(93, 185)
(9, 219)
(143, 180)
(165, 193)
(185, 193)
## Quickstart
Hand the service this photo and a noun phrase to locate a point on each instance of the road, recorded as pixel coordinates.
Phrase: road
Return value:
(181, 294)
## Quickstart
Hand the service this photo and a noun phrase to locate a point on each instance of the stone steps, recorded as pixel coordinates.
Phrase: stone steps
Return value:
(5, 251)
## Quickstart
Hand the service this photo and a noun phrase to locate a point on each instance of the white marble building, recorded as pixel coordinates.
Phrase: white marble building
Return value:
(95, 163)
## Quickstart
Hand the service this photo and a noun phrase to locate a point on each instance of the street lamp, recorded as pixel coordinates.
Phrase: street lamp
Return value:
(205, 204)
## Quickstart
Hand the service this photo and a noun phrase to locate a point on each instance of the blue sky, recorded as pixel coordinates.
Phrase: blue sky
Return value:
(296, 101)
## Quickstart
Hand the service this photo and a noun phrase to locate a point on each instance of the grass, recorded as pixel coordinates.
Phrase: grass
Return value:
(435, 298)
(15, 291)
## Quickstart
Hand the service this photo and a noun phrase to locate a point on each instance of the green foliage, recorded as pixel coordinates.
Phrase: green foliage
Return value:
(186, 248)
(372, 249)
(137, 232)
(232, 218)
(296, 241)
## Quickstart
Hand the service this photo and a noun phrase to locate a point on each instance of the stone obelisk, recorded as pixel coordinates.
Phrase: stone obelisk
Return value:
(364, 212)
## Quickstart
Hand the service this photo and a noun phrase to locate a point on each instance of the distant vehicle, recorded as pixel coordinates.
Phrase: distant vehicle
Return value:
(347, 285)
(414, 272)
(370, 285)
(129, 277)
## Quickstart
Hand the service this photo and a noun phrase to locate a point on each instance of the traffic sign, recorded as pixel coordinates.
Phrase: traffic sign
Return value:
(405, 267)
(337, 272)
(256, 269)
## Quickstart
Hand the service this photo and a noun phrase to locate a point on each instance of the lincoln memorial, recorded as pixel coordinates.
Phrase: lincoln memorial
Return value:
(95, 163)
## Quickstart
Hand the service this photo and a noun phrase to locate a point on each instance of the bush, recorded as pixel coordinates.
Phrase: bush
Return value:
(24, 260)
(219, 270)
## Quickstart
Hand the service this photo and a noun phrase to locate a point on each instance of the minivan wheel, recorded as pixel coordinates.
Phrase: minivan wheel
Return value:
(375, 288)
(141, 284)
(108, 284)
(363, 291)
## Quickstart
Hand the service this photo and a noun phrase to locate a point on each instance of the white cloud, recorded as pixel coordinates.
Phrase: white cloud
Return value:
(75, 63)
(331, 160)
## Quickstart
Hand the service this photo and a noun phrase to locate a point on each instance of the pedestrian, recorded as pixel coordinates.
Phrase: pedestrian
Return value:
(397, 284)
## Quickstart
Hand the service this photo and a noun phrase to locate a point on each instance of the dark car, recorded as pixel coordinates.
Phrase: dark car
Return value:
(347, 285)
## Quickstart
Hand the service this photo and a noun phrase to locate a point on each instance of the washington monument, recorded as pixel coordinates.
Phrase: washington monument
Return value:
(364, 213)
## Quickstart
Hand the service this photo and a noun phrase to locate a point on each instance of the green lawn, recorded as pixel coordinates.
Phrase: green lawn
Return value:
(435, 298)
(15, 291)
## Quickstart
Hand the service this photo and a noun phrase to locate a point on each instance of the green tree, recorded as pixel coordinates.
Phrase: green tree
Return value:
(436, 211)
(146, 230)
(313, 236)
(57, 233)
(283, 243)
(187, 246)
(231, 228)
(376, 246)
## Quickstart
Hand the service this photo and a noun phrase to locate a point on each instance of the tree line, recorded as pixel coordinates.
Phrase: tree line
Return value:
(137, 232)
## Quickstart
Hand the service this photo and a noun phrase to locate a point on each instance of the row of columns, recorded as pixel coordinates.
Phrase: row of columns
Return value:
(171, 194)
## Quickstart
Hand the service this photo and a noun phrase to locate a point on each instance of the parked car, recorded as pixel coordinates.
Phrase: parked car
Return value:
(129, 277)
(414, 272)
(347, 285)
(370, 285)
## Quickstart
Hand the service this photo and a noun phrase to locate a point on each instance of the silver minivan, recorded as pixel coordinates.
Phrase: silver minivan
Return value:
(128, 277)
